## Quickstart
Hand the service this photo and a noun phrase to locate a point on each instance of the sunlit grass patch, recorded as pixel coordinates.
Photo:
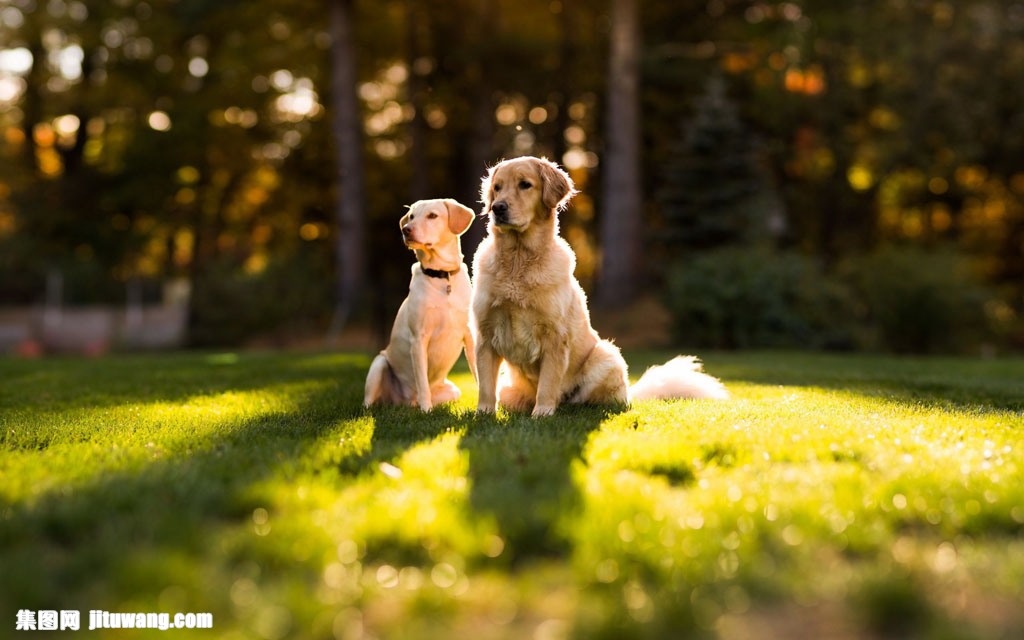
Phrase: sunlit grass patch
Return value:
(852, 496)
(795, 493)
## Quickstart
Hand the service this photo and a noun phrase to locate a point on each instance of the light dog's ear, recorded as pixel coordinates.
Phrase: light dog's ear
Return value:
(558, 188)
(408, 212)
(460, 217)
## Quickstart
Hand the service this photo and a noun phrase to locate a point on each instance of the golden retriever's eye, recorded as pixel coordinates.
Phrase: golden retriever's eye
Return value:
(497, 188)
(523, 184)
(431, 215)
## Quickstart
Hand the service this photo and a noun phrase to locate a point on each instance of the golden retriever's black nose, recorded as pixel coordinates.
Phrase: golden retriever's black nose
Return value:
(500, 209)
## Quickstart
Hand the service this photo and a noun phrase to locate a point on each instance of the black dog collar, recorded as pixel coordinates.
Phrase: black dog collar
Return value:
(437, 273)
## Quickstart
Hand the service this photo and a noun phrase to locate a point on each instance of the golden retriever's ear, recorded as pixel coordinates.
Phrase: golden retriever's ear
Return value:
(460, 217)
(485, 188)
(558, 187)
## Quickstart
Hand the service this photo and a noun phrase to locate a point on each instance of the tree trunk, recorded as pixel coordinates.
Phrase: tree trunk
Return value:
(419, 181)
(32, 100)
(346, 129)
(478, 151)
(567, 53)
(620, 220)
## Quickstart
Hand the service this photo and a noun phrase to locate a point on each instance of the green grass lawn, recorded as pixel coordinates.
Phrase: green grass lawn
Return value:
(833, 497)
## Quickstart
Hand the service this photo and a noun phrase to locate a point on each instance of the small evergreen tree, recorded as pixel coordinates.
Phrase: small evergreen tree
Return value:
(713, 191)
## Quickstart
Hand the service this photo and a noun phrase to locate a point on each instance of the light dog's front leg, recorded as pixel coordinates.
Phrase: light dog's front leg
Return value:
(487, 362)
(419, 368)
(553, 368)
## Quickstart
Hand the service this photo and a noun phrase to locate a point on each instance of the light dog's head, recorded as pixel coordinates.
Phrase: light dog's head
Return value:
(431, 224)
(520, 192)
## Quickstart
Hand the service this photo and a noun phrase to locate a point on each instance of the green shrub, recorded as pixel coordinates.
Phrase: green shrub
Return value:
(743, 298)
(230, 306)
(906, 300)
(894, 605)
(920, 301)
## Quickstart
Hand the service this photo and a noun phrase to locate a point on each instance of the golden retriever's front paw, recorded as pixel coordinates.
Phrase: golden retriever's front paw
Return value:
(425, 405)
(542, 412)
(486, 408)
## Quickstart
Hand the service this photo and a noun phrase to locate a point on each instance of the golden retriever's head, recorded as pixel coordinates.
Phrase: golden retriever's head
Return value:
(523, 190)
(430, 223)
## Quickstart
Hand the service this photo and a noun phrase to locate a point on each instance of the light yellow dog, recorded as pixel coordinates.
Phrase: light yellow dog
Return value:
(432, 325)
(531, 313)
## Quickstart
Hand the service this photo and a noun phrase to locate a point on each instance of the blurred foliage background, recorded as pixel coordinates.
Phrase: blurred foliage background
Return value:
(815, 174)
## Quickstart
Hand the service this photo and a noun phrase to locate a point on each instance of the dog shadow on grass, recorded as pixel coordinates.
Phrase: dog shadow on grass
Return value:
(521, 474)
(154, 529)
(520, 469)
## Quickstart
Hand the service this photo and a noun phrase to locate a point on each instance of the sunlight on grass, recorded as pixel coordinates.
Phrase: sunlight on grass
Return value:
(68, 450)
(862, 500)
(413, 506)
(699, 510)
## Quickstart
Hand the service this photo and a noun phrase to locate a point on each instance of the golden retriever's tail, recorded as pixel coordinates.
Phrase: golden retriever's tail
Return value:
(680, 377)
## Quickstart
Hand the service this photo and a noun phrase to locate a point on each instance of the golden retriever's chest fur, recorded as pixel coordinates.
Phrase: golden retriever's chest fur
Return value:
(522, 298)
(516, 336)
(518, 278)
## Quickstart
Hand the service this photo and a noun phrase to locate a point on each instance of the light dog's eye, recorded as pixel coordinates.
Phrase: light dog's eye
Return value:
(524, 184)
(431, 215)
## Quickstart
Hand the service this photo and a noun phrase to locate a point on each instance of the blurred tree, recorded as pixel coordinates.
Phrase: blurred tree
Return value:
(183, 138)
(714, 192)
(347, 135)
(418, 63)
(622, 201)
(476, 152)
(66, 231)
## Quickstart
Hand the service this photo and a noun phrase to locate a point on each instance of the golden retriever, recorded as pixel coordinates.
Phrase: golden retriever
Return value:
(530, 312)
(432, 325)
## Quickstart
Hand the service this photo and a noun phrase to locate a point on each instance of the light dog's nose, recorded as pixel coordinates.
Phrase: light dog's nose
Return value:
(406, 231)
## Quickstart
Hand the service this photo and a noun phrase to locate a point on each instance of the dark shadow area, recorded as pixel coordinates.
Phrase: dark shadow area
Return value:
(520, 468)
(520, 471)
(398, 429)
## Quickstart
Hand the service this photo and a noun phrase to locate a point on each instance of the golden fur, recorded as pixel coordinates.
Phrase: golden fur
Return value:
(530, 312)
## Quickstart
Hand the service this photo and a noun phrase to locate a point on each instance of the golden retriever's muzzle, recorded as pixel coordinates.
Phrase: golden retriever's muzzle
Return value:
(500, 211)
